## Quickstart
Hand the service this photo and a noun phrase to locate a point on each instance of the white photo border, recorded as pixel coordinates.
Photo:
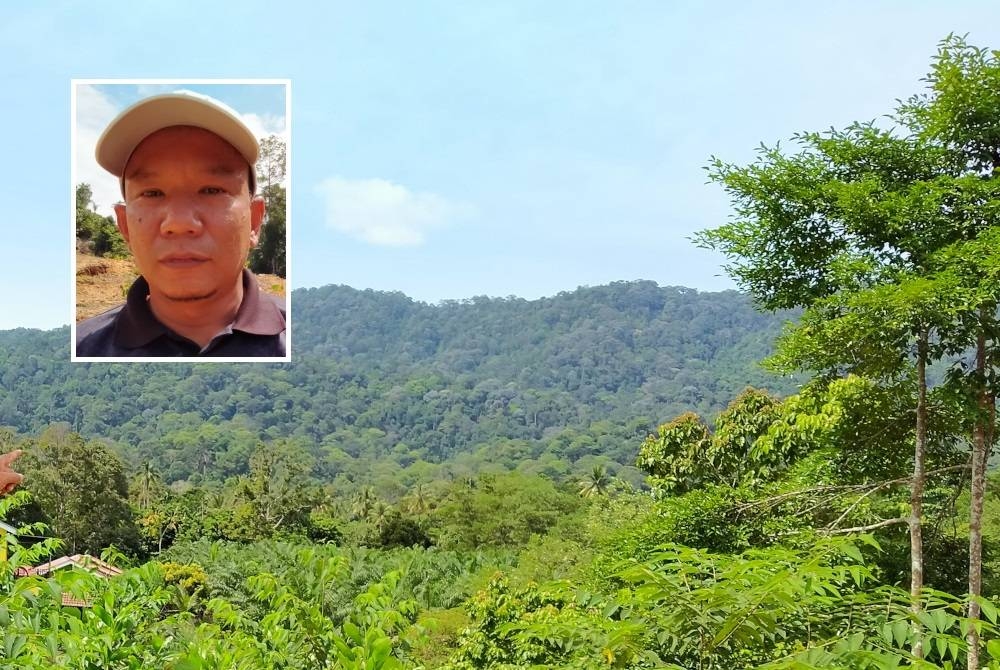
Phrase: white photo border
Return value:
(181, 81)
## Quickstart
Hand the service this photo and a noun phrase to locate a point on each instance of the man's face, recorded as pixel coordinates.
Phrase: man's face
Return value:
(188, 216)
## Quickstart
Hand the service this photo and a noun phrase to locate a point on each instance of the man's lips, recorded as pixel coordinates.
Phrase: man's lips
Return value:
(180, 261)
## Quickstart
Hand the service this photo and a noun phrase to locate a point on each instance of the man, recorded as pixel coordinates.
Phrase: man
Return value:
(190, 216)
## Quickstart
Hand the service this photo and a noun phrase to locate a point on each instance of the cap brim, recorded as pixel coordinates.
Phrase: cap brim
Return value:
(144, 118)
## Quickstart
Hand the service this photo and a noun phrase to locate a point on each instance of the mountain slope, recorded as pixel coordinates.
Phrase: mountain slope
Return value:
(379, 375)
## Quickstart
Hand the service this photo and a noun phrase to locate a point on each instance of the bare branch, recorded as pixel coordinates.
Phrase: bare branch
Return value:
(840, 489)
(854, 505)
(869, 527)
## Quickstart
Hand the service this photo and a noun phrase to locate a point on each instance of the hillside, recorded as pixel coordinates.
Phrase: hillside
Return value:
(101, 283)
(379, 376)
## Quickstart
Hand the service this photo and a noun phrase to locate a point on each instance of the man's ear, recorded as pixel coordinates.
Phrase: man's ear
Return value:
(257, 208)
(121, 220)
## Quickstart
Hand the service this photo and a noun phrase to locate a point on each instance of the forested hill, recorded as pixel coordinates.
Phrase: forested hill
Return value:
(379, 375)
(627, 336)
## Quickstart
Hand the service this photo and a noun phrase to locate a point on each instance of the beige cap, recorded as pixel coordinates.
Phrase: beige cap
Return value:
(180, 108)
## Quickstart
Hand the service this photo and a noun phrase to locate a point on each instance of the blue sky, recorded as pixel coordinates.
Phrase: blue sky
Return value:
(448, 149)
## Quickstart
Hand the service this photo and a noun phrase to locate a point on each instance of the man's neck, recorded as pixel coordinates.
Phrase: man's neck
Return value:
(198, 320)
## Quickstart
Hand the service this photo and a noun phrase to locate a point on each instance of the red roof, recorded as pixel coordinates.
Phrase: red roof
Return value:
(83, 561)
(69, 601)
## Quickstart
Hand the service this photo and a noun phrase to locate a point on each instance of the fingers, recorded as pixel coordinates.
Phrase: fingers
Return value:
(7, 459)
(9, 481)
(8, 478)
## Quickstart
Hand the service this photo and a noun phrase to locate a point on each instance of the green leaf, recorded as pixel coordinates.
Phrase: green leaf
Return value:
(900, 632)
(989, 609)
(993, 649)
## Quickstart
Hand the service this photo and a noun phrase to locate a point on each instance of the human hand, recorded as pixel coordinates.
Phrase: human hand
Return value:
(8, 478)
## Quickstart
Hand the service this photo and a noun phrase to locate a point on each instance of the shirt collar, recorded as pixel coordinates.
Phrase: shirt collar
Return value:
(258, 313)
(137, 326)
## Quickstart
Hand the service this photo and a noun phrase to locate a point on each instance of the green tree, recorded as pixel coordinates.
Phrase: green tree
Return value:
(146, 487)
(500, 511)
(596, 484)
(99, 232)
(417, 502)
(677, 456)
(81, 489)
(737, 429)
(269, 254)
(869, 221)
(364, 502)
(279, 490)
(960, 113)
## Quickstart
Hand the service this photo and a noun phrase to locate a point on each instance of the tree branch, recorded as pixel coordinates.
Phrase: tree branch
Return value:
(871, 526)
(843, 488)
(857, 502)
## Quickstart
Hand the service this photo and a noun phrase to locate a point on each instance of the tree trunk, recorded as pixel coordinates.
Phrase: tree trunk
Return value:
(979, 457)
(917, 494)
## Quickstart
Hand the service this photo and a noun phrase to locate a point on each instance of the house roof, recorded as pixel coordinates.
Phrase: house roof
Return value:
(83, 561)
(69, 601)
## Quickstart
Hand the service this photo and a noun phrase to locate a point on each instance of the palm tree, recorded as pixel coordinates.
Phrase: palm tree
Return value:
(596, 484)
(146, 483)
(363, 503)
(380, 514)
(417, 501)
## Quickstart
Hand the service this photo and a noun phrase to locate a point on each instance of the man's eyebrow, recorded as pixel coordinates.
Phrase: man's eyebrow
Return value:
(139, 174)
(220, 170)
(225, 171)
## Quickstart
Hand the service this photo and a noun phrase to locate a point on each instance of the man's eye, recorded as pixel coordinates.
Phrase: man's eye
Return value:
(212, 190)
(151, 193)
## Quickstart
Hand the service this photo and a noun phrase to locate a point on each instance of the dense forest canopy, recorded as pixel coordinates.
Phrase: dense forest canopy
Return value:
(378, 375)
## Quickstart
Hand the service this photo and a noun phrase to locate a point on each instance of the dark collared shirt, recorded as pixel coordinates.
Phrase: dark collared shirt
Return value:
(132, 329)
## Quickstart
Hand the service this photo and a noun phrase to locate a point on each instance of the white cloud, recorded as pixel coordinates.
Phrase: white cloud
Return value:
(147, 90)
(384, 213)
(264, 125)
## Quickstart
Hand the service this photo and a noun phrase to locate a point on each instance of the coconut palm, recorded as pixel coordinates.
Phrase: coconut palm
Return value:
(596, 484)
(146, 486)
(380, 514)
(416, 502)
(364, 501)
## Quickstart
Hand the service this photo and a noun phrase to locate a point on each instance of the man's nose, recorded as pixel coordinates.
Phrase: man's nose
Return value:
(181, 217)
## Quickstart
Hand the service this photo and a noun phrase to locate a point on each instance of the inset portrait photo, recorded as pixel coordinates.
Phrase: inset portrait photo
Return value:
(180, 221)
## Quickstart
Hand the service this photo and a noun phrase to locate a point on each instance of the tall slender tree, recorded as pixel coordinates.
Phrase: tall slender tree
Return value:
(861, 226)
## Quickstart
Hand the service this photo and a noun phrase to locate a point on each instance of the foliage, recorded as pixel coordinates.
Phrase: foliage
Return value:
(277, 491)
(80, 491)
(678, 455)
(544, 626)
(401, 531)
(269, 254)
(888, 239)
(385, 390)
(190, 577)
(596, 484)
(500, 511)
(685, 454)
(130, 620)
(100, 233)
(811, 608)
(432, 577)
(737, 429)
